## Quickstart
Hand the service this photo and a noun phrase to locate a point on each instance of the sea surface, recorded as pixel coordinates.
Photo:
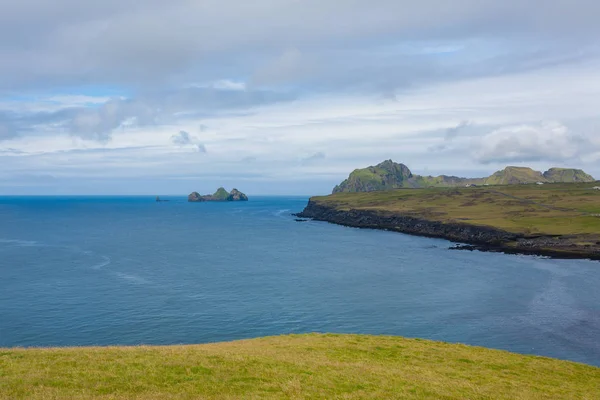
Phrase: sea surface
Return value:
(78, 271)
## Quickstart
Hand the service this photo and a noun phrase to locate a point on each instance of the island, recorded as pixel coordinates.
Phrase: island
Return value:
(536, 216)
(220, 195)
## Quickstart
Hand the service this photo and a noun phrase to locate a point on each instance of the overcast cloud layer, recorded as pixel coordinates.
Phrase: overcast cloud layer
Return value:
(287, 97)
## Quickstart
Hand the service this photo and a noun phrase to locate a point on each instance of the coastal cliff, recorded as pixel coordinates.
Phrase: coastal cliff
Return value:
(478, 236)
(407, 224)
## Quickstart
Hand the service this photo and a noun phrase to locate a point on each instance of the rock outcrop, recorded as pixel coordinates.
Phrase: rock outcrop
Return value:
(384, 176)
(236, 195)
(220, 195)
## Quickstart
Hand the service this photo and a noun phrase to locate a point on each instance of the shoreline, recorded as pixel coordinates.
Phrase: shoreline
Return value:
(467, 236)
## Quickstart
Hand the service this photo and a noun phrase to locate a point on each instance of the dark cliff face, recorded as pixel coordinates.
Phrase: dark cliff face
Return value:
(483, 238)
(195, 197)
(407, 224)
(236, 195)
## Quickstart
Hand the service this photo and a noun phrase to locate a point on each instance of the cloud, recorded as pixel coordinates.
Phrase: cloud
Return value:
(114, 89)
(5, 131)
(184, 139)
(290, 66)
(127, 44)
(98, 120)
(449, 135)
(227, 84)
(548, 141)
(318, 156)
(453, 132)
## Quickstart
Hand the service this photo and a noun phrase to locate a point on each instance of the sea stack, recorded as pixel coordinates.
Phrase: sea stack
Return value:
(220, 195)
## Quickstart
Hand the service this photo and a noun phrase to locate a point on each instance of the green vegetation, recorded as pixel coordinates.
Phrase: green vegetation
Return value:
(389, 175)
(384, 176)
(515, 176)
(558, 219)
(550, 209)
(567, 175)
(221, 194)
(296, 367)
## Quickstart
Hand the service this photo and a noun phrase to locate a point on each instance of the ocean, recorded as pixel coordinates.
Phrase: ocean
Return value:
(79, 271)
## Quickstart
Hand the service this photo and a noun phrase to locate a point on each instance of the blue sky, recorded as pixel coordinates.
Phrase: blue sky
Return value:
(288, 97)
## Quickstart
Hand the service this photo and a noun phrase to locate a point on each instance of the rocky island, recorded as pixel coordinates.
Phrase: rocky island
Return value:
(220, 195)
(517, 210)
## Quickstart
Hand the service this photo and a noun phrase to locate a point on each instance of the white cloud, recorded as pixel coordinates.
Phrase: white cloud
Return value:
(226, 84)
(548, 141)
(184, 139)
(277, 132)
(318, 156)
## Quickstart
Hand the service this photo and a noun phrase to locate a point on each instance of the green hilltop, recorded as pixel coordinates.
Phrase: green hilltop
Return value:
(221, 194)
(390, 175)
(516, 176)
(292, 367)
(567, 175)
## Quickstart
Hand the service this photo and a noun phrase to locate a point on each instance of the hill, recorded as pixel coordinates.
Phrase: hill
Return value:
(297, 367)
(384, 176)
(567, 175)
(516, 176)
(389, 175)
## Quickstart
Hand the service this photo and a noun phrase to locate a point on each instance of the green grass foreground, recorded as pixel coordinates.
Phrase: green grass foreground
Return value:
(297, 367)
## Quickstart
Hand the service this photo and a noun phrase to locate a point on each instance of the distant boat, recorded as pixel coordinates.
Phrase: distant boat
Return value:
(158, 200)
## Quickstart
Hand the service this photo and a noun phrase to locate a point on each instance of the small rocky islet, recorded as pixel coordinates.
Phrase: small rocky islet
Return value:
(220, 195)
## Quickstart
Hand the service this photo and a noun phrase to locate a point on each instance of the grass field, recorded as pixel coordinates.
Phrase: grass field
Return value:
(551, 209)
(295, 367)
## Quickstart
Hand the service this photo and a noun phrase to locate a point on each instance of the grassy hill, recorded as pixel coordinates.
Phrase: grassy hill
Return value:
(515, 176)
(294, 367)
(567, 175)
(389, 175)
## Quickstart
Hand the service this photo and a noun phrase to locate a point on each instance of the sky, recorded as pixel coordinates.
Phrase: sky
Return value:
(287, 97)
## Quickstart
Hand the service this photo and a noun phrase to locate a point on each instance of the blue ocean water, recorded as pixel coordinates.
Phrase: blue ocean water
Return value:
(127, 270)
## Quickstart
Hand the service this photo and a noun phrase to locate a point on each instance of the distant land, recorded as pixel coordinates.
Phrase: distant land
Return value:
(220, 195)
(390, 175)
(555, 219)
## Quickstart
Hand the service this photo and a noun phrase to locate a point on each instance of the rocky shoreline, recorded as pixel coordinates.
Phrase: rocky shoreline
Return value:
(477, 237)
